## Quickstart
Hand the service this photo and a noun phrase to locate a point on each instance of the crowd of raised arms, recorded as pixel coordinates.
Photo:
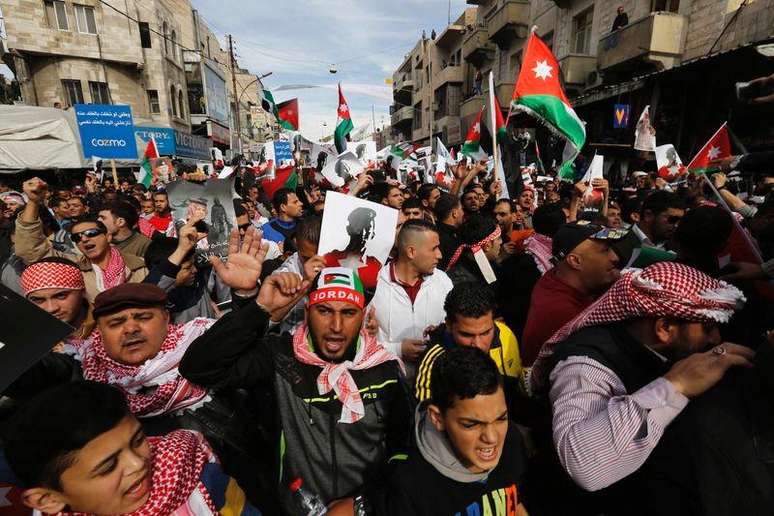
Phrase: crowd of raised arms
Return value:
(575, 349)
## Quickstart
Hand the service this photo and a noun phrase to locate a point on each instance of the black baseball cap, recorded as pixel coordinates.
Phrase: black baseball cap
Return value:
(570, 235)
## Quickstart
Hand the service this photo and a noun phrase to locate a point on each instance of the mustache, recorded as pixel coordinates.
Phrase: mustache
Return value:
(132, 338)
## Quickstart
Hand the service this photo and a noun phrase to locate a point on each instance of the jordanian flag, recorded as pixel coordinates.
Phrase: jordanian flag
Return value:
(283, 178)
(500, 131)
(287, 114)
(146, 167)
(472, 145)
(344, 125)
(539, 92)
(718, 147)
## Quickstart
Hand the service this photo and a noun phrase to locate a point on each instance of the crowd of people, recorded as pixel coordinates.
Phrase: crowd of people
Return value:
(574, 349)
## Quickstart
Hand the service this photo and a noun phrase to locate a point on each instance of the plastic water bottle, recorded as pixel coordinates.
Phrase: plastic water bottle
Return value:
(308, 503)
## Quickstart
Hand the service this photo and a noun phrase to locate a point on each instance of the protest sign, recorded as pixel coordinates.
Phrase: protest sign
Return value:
(106, 131)
(31, 335)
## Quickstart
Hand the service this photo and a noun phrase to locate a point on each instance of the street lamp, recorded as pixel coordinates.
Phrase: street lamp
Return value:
(239, 101)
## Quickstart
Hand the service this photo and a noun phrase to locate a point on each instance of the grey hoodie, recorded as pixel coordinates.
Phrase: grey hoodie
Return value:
(436, 449)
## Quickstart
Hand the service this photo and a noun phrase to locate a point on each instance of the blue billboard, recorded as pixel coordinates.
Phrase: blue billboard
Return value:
(164, 136)
(107, 131)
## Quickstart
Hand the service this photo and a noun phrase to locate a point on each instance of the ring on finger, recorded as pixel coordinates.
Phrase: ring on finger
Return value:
(719, 350)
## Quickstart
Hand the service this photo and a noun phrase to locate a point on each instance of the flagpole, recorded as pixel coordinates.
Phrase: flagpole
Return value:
(493, 124)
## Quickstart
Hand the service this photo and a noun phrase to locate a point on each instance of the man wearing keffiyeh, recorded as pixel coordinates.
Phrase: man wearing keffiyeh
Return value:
(339, 397)
(624, 368)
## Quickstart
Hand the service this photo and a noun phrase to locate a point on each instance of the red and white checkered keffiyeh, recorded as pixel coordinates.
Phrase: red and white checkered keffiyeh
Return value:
(664, 289)
(42, 275)
(539, 247)
(177, 462)
(169, 392)
(115, 272)
(474, 248)
(337, 377)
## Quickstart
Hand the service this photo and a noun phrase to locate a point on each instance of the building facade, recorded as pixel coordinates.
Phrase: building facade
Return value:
(667, 50)
(157, 56)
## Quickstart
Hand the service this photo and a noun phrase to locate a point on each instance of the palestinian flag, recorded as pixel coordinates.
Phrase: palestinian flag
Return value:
(344, 125)
(267, 102)
(283, 178)
(539, 92)
(472, 145)
(287, 114)
(146, 167)
(500, 130)
(718, 147)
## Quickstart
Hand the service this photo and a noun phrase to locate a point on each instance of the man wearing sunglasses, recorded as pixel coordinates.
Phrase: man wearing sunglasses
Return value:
(103, 265)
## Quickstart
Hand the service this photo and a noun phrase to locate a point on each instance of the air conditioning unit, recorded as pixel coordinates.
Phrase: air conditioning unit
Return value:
(594, 79)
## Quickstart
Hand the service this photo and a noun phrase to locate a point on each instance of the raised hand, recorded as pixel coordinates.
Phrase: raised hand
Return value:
(35, 189)
(245, 261)
(280, 293)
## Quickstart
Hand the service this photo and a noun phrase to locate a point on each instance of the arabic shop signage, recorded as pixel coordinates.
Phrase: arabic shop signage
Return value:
(107, 131)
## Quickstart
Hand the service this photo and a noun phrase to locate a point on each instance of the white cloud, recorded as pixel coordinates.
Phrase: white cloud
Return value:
(298, 40)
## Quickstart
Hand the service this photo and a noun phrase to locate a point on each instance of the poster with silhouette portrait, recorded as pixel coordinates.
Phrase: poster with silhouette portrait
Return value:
(358, 234)
(211, 202)
(365, 151)
(343, 169)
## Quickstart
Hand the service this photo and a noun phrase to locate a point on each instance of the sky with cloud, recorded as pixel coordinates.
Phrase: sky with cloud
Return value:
(299, 40)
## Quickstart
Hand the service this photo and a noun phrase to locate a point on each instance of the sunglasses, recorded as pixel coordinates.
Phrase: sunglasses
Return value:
(91, 233)
(243, 227)
(674, 219)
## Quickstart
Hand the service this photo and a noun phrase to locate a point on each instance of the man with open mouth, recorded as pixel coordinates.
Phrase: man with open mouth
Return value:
(102, 264)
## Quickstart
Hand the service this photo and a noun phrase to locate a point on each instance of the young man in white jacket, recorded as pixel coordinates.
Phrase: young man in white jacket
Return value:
(410, 292)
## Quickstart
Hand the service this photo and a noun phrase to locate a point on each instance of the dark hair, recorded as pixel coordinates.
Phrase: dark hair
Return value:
(124, 210)
(476, 228)
(411, 228)
(281, 197)
(160, 248)
(704, 231)
(508, 202)
(55, 201)
(462, 372)
(381, 191)
(469, 299)
(88, 218)
(548, 218)
(411, 202)
(55, 259)
(444, 206)
(425, 190)
(660, 201)
(161, 192)
(239, 210)
(309, 230)
(630, 206)
(78, 197)
(43, 435)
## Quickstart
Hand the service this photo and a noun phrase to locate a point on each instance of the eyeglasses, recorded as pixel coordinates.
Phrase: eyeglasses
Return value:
(674, 219)
(91, 233)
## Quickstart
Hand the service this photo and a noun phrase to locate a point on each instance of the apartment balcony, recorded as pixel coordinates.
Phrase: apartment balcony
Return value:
(402, 90)
(403, 114)
(659, 39)
(450, 74)
(503, 91)
(451, 128)
(476, 48)
(577, 67)
(471, 106)
(509, 22)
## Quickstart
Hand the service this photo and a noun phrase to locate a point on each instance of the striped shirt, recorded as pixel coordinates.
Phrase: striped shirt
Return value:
(602, 433)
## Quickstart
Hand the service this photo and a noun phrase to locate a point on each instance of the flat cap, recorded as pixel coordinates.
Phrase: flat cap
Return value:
(128, 295)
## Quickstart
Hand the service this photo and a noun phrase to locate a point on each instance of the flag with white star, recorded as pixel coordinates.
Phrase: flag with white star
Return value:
(539, 93)
(718, 147)
(344, 125)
